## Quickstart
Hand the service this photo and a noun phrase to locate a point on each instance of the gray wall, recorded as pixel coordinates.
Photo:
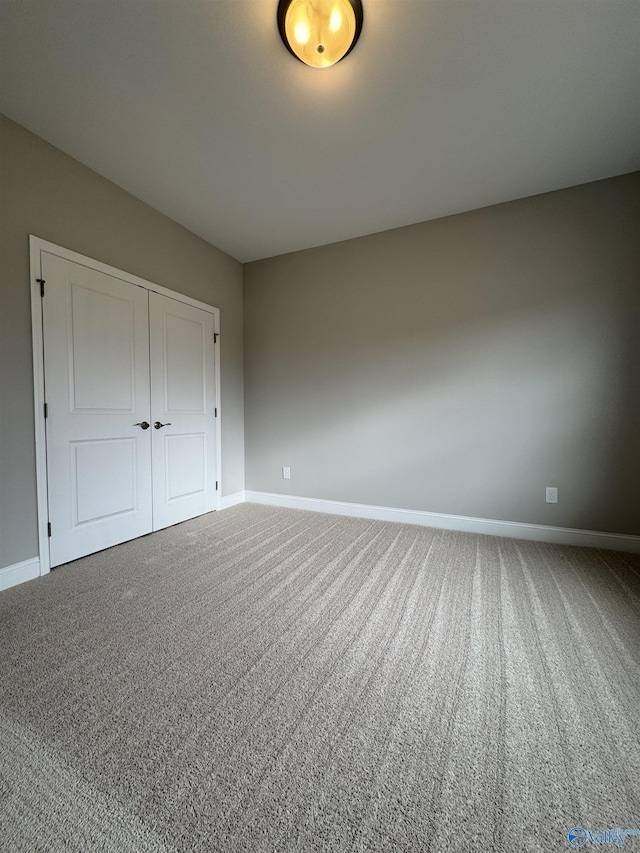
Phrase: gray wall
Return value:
(458, 366)
(46, 193)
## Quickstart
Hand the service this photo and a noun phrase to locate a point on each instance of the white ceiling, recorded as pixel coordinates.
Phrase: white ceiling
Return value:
(197, 108)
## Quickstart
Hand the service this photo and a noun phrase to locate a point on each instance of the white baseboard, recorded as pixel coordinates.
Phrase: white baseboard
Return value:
(467, 524)
(232, 500)
(27, 570)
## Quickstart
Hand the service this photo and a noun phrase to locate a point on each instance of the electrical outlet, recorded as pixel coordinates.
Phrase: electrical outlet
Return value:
(286, 473)
(551, 494)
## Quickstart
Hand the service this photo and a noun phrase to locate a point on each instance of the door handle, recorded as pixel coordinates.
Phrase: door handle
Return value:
(158, 425)
(143, 425)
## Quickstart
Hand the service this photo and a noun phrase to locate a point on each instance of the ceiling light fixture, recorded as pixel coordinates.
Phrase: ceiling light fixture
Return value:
(320, 32)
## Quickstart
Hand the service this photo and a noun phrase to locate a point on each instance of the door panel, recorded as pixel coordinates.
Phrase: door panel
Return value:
(185, 463)
(183, 400)
(184, 356)
(94, 496)
(102, 348)
(96, 340)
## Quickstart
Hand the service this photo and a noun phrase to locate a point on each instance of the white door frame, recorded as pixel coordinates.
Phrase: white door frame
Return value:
(36, 246)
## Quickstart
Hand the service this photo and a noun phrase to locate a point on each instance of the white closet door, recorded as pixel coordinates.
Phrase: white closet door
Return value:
(96, 353)
(182, 406)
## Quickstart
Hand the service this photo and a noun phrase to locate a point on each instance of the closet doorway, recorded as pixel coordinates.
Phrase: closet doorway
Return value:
(127, 379)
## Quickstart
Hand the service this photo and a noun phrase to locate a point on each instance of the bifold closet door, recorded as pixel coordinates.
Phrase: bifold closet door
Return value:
(96, 361)
(183, 399)
(131, 396)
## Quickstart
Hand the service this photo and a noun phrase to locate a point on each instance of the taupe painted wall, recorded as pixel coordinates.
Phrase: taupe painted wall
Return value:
(458, 366)
(46, 193)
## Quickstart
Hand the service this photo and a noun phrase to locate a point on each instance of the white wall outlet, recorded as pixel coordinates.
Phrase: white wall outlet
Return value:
(286, 473)
(551, 494)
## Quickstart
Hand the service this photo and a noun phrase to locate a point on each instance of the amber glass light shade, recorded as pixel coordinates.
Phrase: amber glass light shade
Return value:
(320, 32)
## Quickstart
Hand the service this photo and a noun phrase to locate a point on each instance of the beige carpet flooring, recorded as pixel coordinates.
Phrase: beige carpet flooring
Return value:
(263, 679)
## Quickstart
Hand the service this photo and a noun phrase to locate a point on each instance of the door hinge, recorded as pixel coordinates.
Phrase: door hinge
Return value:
(48, 528)
(216, 485)
(216, 335)
(41, 282)
(46, 410)
(215, 412)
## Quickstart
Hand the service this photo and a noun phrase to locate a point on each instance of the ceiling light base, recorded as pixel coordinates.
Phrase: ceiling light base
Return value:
(320, 32)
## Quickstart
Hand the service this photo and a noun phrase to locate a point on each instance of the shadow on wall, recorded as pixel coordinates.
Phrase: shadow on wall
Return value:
(470, 424)
(397, 371)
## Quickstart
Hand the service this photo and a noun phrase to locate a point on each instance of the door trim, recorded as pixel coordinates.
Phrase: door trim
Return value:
(36, 246)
